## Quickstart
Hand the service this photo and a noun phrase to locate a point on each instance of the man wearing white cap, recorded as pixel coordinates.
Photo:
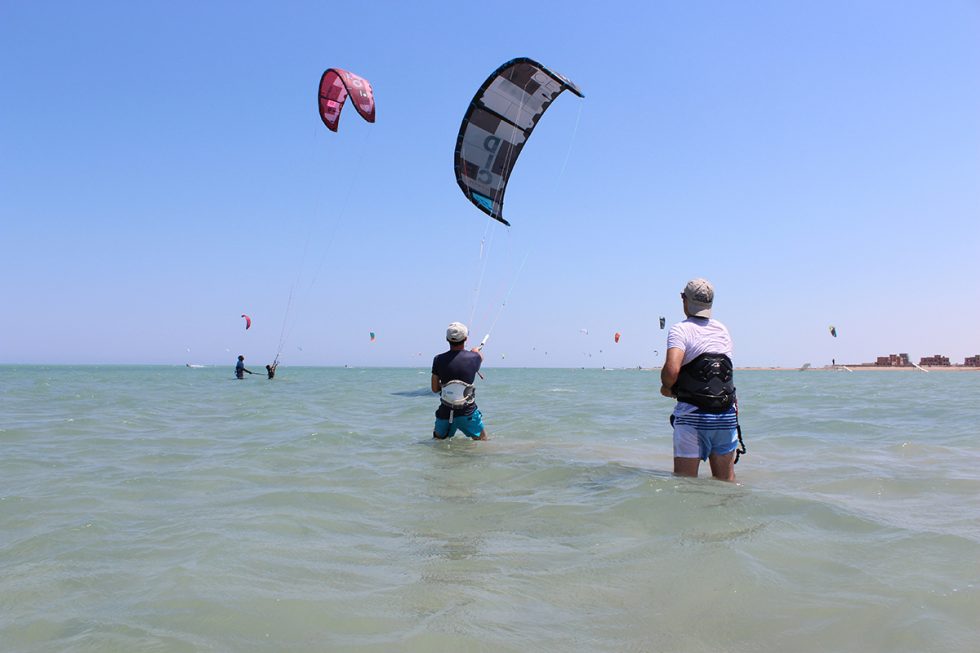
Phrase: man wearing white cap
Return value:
(453, 374)
(698, 373)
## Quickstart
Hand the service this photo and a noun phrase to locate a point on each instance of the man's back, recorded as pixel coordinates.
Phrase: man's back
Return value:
(700, 335)
(457, 365)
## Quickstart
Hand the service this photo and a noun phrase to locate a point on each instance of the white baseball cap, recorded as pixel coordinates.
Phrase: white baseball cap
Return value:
(457, 333)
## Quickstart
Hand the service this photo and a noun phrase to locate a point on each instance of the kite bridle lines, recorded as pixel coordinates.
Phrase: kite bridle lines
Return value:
(485, 250)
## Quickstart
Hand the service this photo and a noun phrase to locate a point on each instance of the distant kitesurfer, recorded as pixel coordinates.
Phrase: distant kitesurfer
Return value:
(453, 373)
(271, 369)
(240, 368)
(698, 373)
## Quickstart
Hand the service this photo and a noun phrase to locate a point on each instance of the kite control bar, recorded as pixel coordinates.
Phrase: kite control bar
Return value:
(480, 348)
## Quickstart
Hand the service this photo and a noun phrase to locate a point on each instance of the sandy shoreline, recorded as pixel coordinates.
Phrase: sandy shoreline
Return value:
(847, 368)
(867, 368)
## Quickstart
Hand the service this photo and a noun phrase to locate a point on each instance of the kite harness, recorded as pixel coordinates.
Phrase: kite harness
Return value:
(707, 382)
(457, 394)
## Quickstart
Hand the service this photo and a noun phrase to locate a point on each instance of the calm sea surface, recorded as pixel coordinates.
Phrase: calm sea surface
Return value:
(176, 509)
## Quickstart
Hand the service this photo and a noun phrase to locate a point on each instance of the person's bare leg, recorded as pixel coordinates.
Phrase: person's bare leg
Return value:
(723, 466)
(686, 466)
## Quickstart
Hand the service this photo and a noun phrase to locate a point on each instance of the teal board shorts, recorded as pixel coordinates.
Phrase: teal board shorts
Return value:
(471, 425)
(699, 434)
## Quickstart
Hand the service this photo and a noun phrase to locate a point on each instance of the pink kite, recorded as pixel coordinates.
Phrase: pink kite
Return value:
(335, 86)
(248, 321)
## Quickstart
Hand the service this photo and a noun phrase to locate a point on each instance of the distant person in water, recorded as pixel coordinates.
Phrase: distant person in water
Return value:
(698, 373)
(453, 374)
(240, 368)
(271, 369)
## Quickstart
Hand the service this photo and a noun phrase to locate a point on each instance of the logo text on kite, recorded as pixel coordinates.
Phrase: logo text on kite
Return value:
(491, 144)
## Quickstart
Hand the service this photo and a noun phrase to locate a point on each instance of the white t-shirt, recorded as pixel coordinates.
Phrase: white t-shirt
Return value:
(696, 336)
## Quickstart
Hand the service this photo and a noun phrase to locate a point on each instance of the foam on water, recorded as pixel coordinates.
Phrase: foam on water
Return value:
(175, 509)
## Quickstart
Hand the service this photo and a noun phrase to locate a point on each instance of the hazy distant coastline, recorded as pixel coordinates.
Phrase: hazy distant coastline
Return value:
(869, 368)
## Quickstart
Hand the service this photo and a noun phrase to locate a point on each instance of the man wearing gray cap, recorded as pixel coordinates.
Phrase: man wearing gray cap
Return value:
(698, 373)
(453, 374)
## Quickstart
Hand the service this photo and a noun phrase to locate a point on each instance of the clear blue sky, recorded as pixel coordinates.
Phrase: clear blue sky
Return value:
(163, 170)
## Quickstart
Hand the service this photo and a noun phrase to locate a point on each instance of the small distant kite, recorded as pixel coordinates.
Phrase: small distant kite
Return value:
(496, 126)
(248, 321)
(335, 86)
(833, 331)
(373, 338)
(617, 336)
(584, 331)
(663, 322)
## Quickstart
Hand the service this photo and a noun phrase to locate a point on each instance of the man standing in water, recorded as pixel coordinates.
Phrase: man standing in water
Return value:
(698, 373)
(240, 368)
(453, 373)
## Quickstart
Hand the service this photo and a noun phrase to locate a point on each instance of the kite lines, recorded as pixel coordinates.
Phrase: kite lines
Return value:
(496, 125)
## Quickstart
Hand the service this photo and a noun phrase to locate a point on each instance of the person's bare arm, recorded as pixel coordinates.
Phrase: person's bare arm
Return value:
(436, 386)
(671, 368)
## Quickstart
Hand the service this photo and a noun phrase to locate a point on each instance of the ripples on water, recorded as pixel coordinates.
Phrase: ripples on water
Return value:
(180, 510)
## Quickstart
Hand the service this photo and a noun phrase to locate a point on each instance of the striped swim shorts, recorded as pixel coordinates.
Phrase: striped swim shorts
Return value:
(699, 434)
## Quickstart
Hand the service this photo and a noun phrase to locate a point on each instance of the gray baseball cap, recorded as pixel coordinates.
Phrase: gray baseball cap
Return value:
(457, 333)
(699, 294)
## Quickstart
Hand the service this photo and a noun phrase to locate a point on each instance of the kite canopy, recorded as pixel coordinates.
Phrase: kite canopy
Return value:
(663, 322)
(372, 336)
(833, 331)
(335, 86)
(497, 123)
(617, 336)
(248, 321)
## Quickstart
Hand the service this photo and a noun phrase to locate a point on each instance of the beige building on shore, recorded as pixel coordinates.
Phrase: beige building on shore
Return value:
(936, 360)
(893, 360)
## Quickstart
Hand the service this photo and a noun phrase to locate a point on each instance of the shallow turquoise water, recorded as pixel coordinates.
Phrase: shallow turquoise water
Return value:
(176, 509)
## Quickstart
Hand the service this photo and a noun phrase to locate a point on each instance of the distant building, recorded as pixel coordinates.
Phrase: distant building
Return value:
(972, 361)
(893, 360)
(934, 361)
